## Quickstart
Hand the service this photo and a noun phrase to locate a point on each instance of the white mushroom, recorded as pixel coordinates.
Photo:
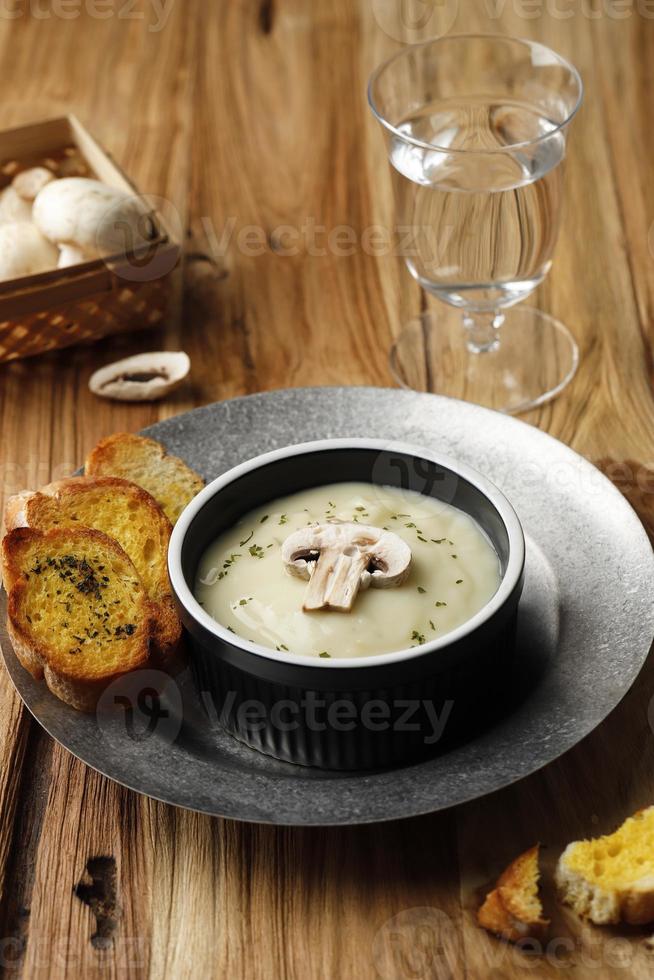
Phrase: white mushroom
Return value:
(72, 255)
(13, 207)
(28, 183)
(339, 558)
(141, 378)
(16, 199)
(92, 216)
(24, 251)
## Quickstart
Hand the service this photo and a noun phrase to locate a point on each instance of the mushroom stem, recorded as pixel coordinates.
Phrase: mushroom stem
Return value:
(335, 580)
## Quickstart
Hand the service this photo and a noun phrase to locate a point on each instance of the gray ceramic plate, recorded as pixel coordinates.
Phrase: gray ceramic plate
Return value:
(586, 621)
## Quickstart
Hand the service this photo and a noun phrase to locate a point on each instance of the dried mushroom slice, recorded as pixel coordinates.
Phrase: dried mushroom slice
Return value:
(141, 378)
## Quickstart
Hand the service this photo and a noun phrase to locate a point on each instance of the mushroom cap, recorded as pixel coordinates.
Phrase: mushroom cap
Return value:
(13, 207)
(141, 378)
(24, 251)
(28, 183)
(388, 552)
(92, 216)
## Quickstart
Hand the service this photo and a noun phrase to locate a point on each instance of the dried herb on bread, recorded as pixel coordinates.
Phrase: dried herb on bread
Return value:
(78, 613)
(126, 513)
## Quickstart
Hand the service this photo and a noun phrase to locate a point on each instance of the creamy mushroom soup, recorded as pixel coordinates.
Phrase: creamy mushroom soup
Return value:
(245, 581)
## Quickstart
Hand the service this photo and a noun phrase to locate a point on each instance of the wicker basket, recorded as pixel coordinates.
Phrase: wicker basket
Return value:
(85, 302)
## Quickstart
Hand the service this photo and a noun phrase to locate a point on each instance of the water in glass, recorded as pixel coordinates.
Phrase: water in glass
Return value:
(479, 228)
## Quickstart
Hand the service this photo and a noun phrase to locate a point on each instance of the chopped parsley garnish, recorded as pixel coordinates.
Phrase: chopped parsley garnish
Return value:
(418, 637)
(76, 572)
(458, 581)
(283, 519)
(242, 543)
(324, 654)
(264, 518)
(256, 550)
(125, 630)
(421, 590)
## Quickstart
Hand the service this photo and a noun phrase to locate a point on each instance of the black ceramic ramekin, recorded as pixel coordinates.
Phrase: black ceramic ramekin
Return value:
(354, 713)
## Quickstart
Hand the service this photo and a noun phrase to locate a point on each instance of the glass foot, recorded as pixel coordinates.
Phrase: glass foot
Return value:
(532, 360)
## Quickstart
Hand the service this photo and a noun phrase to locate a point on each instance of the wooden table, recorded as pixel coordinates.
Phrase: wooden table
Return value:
(253, 113)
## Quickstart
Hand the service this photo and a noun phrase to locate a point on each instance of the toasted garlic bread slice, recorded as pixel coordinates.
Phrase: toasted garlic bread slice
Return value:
(78, 614)
(611, 879)
(125, 512)
(513, 908)
(144, 461)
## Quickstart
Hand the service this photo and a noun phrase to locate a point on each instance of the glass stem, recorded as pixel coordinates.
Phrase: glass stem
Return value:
(482, 330)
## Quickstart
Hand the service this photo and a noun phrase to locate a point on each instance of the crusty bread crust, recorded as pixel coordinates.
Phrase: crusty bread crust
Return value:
(512, 910)
(11, 567)
(145, 461)
(83, 695)
(69, 681)
(15, 510)
(35, 509)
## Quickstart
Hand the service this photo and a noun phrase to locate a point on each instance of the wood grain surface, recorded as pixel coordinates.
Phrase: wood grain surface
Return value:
(246, 115)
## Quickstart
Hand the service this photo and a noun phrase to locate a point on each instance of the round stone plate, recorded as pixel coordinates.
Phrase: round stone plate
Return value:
(586, 621)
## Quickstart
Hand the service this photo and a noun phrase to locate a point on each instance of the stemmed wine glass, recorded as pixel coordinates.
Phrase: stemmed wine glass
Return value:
(476, 129)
